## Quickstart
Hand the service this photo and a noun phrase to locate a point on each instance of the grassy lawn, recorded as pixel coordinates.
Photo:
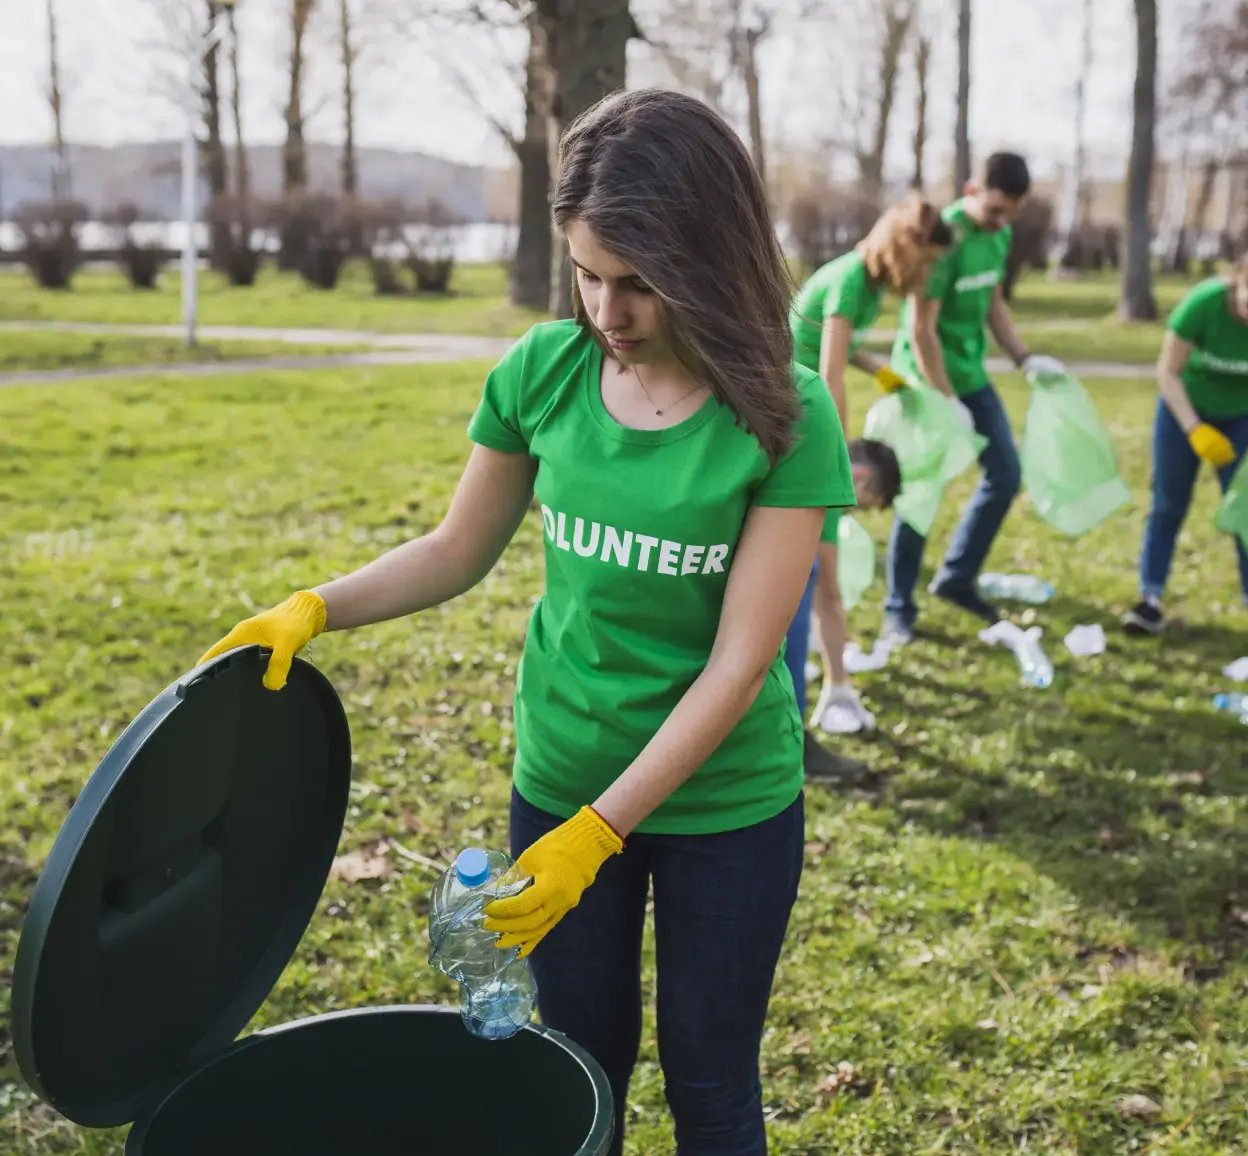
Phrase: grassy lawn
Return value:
(1039, 908)
(477, 304)
(38, 349)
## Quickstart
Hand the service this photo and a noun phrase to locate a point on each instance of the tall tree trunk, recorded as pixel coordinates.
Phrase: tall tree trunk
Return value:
(896, 17)
(349, 175)
(586, 51)
(922, 66)
(753, 100)
(962, 137)
(214, 148)
(62, 185)
(1137, 302)
(530, 275)
(1075, 207)
(294, 152)
(242, 169)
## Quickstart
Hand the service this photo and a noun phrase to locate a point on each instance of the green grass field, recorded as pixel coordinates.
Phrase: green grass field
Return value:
(1038, 908)
(38, 349)
(477, 303)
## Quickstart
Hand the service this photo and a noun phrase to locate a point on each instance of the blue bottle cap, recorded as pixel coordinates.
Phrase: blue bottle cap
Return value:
(1222, 701)
(472, 866)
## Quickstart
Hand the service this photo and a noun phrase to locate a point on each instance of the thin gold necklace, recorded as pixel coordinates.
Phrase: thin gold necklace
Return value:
(661, 411)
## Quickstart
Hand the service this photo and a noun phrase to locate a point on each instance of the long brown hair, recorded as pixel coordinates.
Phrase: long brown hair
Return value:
(665, 185)
(897, 250)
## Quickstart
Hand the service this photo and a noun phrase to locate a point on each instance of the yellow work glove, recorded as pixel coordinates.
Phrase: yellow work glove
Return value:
(562, 864)
(1211, 445)
(889, 380)
(285, 629)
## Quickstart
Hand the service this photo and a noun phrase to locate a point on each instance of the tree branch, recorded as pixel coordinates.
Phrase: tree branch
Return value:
(468, 89)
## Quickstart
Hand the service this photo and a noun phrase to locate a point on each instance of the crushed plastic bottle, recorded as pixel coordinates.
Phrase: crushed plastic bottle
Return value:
(1233, 704)
(1015, 588)
(1035, 667)
(497, 989)
(1033, 664)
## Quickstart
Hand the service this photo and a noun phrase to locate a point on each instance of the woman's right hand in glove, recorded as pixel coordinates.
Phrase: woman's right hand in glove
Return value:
(1211, 445)
(284, 629)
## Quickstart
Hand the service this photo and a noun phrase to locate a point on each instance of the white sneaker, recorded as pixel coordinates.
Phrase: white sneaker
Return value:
(839, 711)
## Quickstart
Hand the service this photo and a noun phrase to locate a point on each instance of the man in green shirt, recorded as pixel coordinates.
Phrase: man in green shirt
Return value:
(1202, 416)
(942, 342)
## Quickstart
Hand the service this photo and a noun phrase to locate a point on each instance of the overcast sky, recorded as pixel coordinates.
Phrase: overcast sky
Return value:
(1024, 59)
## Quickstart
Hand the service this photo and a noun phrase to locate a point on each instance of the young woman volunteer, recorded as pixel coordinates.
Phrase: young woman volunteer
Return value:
(684, 467)
(1202, 416)
(831, 317)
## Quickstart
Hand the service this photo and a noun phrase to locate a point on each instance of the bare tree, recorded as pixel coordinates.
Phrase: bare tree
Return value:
(896, 17)
(962, 133)
(295, 153)
(242, 170)
(214, 163)
(349, 52)
(688, 41)
(1211, 96)
(745, 39)
(923, 44)
(1136, 302)
(61, 181)
(530, 144)
(1075, 206)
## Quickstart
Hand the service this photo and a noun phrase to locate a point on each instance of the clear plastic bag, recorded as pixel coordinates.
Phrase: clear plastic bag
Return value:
(932, 446)
(1232, 515)
(1070, 468)
(855, 561)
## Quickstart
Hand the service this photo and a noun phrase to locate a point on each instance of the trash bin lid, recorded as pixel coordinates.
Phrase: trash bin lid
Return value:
(179, 886)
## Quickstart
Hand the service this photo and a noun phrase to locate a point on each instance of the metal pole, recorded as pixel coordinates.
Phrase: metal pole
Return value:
(190, 172)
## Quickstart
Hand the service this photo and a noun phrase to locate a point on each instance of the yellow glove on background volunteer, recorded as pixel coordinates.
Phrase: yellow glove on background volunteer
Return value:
(562, 864)
(889, 380)
(1211, 445)
(285, 629)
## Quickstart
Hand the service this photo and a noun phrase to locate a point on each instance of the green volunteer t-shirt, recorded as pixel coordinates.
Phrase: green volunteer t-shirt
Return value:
(841, 288)
(1216, 374)
(640, 531)
(964, 281)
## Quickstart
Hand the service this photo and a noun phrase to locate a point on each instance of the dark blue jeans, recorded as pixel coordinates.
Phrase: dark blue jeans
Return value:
(721, 906)
(797, 642)
(983, 517)
(1175, 466)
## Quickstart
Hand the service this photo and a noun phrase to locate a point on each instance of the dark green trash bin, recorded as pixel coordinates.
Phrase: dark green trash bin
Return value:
(180, 884)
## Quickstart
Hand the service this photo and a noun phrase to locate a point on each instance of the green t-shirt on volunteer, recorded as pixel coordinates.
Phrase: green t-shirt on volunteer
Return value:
(640, 529)
(841, 288)
(964, 281)
(1216, 374)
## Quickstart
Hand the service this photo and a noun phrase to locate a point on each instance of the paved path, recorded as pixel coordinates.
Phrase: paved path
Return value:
(384, 349)
(249, 333)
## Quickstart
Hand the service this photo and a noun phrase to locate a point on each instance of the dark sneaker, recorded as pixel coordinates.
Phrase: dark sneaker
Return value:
(821, 764)
(966, 598)
(1144, 618)
(896, 632)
